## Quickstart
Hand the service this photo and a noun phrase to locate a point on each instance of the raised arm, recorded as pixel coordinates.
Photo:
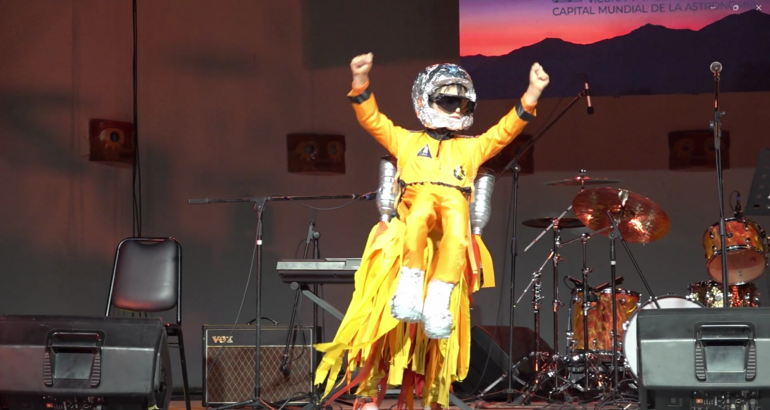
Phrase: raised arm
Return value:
(510, 126)
(365, 106)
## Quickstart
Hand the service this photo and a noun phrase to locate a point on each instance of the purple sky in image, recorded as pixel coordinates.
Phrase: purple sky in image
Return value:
(497, 27)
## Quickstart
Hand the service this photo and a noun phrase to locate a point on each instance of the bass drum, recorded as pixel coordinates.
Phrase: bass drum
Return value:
(629, 337)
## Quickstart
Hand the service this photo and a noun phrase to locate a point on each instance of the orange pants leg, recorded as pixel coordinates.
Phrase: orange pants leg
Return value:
(419, 222)
(407, 302)
(453, 249)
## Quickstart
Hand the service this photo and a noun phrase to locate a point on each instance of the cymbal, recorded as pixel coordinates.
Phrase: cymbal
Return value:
(582, 180)
(641, 221)
(564, 223)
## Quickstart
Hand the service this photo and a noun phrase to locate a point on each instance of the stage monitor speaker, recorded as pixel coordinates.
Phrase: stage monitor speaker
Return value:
(83, 363)
(704, 358)
(489, 357)
(228, 364)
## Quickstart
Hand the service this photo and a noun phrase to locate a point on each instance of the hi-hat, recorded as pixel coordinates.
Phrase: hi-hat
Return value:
(582, 180)
(564, 223)
(639, 219)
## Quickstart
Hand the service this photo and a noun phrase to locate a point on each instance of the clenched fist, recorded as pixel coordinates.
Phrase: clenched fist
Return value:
(360, 66)
(538, 80)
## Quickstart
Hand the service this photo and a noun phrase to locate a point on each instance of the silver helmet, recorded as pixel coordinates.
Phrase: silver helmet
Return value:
(437, 78)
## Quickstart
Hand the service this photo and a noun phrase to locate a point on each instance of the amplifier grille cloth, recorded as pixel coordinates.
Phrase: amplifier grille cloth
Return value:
(231, 379)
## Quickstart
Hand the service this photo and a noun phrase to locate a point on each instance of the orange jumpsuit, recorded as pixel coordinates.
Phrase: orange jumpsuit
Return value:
(385, 351)
(437, 177)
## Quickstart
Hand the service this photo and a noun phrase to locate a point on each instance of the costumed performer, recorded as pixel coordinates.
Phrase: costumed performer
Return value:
(407, 324)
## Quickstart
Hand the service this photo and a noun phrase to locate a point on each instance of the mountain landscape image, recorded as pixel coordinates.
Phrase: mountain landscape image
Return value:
(651, 59)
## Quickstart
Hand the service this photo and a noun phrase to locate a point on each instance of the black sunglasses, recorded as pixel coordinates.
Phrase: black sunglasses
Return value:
(450, 103)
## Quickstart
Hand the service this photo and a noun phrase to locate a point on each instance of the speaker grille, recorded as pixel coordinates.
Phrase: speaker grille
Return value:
(231, 378)
(229, 370)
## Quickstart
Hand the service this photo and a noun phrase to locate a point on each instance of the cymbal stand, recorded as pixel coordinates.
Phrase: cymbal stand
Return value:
(553, 365)
(556, 302)
(587, 299)
(537, 297)
(613, 235)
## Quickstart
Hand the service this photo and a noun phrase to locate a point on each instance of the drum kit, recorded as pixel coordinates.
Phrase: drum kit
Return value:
(601, 349)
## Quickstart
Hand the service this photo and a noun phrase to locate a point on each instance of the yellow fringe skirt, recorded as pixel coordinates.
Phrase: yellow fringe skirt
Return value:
(382, 352)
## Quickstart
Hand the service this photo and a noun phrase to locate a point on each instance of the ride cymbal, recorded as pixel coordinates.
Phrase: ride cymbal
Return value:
(564, 223)
(639, 219)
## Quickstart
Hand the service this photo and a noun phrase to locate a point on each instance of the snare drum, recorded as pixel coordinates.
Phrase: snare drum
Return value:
(629, 337)
(600, 317)
(709, 293)
(745, 245)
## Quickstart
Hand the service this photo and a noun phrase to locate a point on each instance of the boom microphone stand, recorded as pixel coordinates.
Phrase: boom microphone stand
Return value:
(516, 168)
(716, 126)
(259, 207)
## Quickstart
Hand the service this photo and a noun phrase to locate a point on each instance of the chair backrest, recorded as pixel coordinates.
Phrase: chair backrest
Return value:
(147, 276)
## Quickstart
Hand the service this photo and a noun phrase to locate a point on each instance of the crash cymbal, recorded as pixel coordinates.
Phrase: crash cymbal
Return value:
(582, 181)
(641, 220)
(564, 223)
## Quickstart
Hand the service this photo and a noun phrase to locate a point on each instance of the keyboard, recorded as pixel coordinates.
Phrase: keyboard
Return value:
(318, 271)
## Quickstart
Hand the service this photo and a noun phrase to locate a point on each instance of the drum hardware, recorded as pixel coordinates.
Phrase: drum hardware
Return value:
(586, 303)
(553, 366)
(548, 223)
(716, 126)
(709, 294)
(639, 220)
(746, 250)
(602, 287)
(564, 223)
(542, 365)
(587, 347)
(582, 180)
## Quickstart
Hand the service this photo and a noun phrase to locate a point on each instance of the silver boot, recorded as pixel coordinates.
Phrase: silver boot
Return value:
(406, 304)
(436, 317)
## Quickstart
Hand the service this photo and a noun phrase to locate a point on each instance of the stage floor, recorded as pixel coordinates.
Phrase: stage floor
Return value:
(390, 404)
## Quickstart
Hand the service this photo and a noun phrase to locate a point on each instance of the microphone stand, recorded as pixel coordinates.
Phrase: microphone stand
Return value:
(516, 168)
(259, 207)
(716, 126)
(284, 368)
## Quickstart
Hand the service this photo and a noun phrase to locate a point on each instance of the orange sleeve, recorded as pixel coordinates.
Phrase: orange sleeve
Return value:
(374, 122)
(504, 132)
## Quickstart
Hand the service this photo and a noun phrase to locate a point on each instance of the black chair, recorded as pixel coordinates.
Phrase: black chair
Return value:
(147, 277)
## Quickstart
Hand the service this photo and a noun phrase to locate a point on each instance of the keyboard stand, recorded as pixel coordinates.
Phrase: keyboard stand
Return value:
(318, 301)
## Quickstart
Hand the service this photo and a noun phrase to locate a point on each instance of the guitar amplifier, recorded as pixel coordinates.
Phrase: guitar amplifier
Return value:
(228, 363)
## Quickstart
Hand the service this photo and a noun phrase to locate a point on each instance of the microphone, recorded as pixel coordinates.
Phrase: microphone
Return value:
(738, 208)
(716, 67)
(577, 282)
(618, 281)
(588, 96)
(309, 233)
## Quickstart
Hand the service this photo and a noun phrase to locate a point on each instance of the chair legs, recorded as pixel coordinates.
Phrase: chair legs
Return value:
(175, 330)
